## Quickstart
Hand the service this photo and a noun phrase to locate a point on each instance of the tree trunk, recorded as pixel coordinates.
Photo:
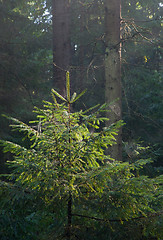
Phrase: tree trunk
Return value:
(61, 43)
(113, 69)
(69, 217)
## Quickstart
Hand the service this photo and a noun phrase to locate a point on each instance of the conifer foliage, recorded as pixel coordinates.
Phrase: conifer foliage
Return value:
(64, 176)
(65, 155)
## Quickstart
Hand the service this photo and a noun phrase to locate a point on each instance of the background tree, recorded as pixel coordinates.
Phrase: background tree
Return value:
(142, 78)
(113, 68)
(25, 60)
(61, 42)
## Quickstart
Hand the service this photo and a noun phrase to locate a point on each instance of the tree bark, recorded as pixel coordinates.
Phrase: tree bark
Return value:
(113, 69)
(61, 43)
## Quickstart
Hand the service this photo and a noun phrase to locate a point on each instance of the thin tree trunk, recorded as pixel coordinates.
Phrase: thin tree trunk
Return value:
(61, 42)
(69, 217)
(113, 69)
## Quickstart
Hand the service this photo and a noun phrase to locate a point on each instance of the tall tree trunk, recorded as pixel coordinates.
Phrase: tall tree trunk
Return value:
(61, 42)
(113, 69)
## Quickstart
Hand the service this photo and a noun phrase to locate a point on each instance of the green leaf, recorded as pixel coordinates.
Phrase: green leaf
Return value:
(68, 85)
(73, 97)
(55, 100)
(58, 95)
(91, 108)
(80, 95)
